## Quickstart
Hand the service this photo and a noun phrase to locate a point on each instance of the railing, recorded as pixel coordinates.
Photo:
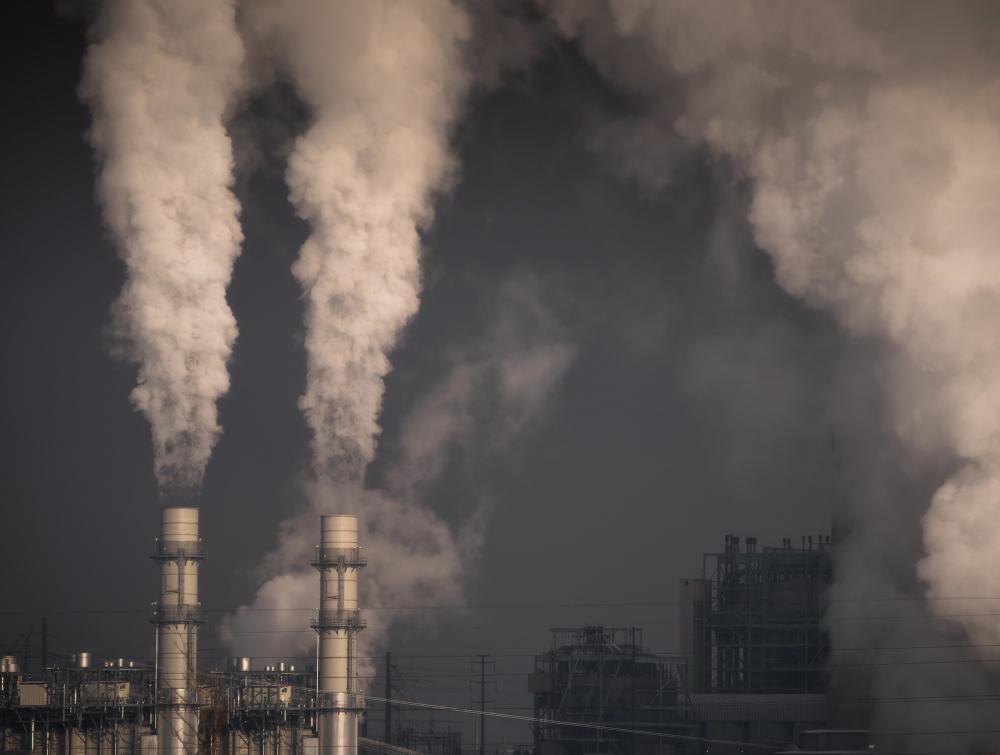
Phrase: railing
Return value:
(325, 557)
(337, 701)
(184, 613)
(177, 698)
(170, 549)
(335, 618)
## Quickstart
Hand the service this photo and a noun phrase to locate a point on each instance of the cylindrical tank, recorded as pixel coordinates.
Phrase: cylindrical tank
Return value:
(239, 664)
(287, 739)
(76, 741)
(177, 618)
(8, 664)
(338, 559)
(148, 744)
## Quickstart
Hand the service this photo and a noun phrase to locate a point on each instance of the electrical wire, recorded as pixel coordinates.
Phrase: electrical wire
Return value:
(525, 605)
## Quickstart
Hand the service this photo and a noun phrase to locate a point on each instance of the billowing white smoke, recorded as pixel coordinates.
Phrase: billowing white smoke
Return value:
(493, 390)
(385, 81)
(868, 135)
(159, 77)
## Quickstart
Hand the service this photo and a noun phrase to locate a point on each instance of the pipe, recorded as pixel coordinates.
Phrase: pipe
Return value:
(338, 621)
(177, 617)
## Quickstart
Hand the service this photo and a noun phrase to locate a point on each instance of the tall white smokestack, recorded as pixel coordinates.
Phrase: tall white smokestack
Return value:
(338, 559)
(177, 617)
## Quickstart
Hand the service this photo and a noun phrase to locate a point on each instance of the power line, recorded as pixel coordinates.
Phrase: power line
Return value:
(577, 724)
(668, 735)
(503, 606)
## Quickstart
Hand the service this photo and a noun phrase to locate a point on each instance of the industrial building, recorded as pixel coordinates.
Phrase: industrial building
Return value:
(602, 677)
(752, 671)
(167, 708)
(753, 667)
(751, 630)
(752, 623)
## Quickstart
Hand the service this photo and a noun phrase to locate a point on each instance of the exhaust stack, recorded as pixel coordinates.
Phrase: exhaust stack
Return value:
(177, 617)
(338, 621)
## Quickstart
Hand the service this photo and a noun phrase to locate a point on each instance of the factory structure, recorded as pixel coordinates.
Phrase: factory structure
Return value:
(751, 671)
(168, 707)
(603, 678)
(751, 675)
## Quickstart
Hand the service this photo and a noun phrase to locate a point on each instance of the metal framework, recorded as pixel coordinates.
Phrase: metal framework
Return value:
(168, 708)
(272, 712)
(761, 618)
(77, 710)
(430, 742)
(602, 675)
(111, 711)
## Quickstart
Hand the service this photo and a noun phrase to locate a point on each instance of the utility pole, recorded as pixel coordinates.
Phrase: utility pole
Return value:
(45, 644)
(388, 697)
(482, 663)
(27, 651)
(482, 705)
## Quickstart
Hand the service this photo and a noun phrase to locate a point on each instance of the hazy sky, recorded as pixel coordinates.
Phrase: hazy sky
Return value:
(700, 400)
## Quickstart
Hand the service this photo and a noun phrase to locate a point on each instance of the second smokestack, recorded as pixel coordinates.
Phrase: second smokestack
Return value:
(338, 621)
(177, 618)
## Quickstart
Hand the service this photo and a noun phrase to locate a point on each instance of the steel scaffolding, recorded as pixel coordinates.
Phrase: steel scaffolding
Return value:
(603, 676)
(761, 615)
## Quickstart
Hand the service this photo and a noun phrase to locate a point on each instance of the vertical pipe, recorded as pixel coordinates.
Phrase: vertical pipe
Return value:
(482, 705)
(388, 697)
(177, 619)
(338, 559)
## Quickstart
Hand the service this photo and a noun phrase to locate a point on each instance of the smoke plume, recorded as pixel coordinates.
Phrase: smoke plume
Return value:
(385, 82)
(159, 78)
(867, 137)
(493, 390)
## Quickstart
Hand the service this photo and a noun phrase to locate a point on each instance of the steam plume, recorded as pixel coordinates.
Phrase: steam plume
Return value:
(385, 81)
(159, 78)
(494, 388)
(868, 137)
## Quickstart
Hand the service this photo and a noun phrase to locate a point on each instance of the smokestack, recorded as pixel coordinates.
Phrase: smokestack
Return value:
(338, 621)
(177, 617)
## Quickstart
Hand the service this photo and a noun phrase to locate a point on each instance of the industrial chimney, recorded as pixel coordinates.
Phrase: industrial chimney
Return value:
(338, 621)
(177, 616)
